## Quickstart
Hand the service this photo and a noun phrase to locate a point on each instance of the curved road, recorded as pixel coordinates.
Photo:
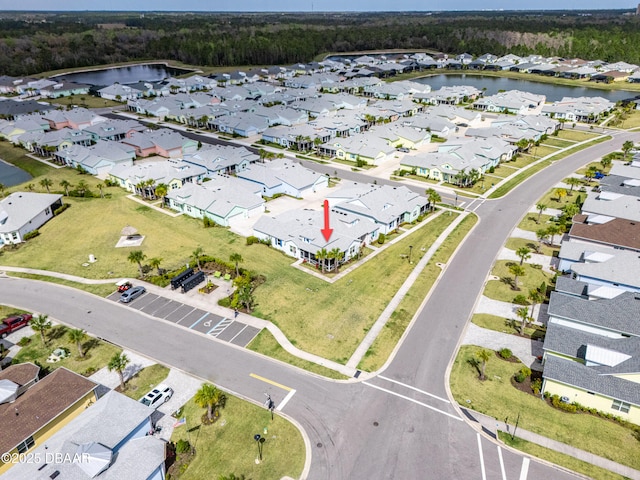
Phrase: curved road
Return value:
(397, 425)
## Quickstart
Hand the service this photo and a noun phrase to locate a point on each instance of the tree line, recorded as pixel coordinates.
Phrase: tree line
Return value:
(64, 40)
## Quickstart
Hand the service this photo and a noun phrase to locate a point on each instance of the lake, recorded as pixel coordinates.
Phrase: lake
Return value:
(494, 84)
(10, 175)
(124, 75)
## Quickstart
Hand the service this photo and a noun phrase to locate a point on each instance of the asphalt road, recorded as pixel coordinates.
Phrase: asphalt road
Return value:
(398, 425)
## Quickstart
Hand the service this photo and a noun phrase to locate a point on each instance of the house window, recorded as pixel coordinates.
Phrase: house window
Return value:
(26, 445)
(620, 406)
(47, 211)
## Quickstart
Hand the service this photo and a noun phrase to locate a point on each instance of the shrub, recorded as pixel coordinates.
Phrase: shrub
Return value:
(30, 235)
(505, 353)
(537, 266)
(89, 371)
(208, 223)
(558, 403)
(61, 208)
(24, 341)
(536, 386)
(252, 239)
(183, 446)
(522, 374)
(492, 169)
(520, 300)
(381, 238)
(361, 163)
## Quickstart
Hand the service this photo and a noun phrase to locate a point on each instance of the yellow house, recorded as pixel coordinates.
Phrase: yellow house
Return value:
(32, 410)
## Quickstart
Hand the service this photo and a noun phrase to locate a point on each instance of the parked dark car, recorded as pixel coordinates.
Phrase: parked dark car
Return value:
(132, 293)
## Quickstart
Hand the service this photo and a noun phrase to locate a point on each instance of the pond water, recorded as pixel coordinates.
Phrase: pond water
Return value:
(123, 75)
(494, 84)
(10, 175)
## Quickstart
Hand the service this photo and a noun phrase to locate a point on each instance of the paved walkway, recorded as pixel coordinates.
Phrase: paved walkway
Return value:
(536, 258)
(111, 379)
(490, 425)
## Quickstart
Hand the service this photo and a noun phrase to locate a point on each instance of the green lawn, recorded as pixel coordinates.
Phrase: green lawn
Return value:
(518, 179)
(498, 398)
(102, 290)
(557, 142)
(505, 325)
(522, 161)
(98, 353)
(541, 151)
(388, 338)
(515, 243)
(17, 156)
(551, 200)
(500, 171)
(632, 120)
(6, 311)
(86, 101)
(266, 344)
(501, 290)
(143, 381)
(228, 446)
(567, 461)
(576, 135)
(529, 222)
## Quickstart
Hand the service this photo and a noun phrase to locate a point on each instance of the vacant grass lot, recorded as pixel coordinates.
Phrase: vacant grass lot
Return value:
(498, 398)
(501, 289)
(86, 101)
(576, 135)
(515, 243)
(567, 461)
(102, 290)
(266, 344)
(551, 199)
(529, 222)
(143, 381)
(228, 446)
(388, 338)
(97, 352)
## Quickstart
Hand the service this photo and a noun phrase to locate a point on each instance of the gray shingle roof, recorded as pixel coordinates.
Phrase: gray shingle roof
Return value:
(578, 375)
(22, 207)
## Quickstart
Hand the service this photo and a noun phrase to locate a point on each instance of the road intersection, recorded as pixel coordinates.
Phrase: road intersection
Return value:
(400, 423)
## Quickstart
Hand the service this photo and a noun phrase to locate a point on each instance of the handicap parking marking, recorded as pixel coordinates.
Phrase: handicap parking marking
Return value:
(207, 323)
(199, 320)
(230, 331)
(220, 327)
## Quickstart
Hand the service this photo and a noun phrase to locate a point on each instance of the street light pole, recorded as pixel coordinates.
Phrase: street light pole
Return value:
(410, 250)
(257, 438)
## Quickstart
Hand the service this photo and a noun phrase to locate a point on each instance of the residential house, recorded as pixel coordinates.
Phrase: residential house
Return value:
(37, 409)
(449, 95)
(610, 204)
(617, 269)
(164, 142)
(511, 101)
(223, 199)
(226, 159)
(386, 206)
(23, 212)
(114, 130)
(366, 147)
(284, 177)
(97, 159)
(12, 130)
(77, 118)
(47, 143)
(581, 109)
(14, 109)
(243, 124)
(618, 233)
(109, 440)
(142, 178)
(64, 89)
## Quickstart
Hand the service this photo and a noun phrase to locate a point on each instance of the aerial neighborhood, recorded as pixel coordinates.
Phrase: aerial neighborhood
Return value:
(337, 174)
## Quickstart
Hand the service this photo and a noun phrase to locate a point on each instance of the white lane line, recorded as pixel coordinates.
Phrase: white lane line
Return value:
(285, 400)
(484, 473)
(412, 400)
(234, 337)
(415, 389)
(504, 474)
(525, 468)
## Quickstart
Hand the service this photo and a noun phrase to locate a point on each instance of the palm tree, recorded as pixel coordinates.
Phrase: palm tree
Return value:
(119, 363)
(523, 313)
(211, 398)
(524, 253)
(77, 335)
(246, 298)
(197, 253)
(433, 197)
(161, 191)
(572, 182)
(46, 183)
(336, 254)
(517, 271)
(541, 208)
(155, 263)
(137, 256)
(605, 162)
(100, 186)
(591, 172)
(536, 297)
(40, 324)
(570, 209)
(627, 147)
(553, 230)
(484, 356)
(82, 188)
(561, 193)
(236, 258)
(321, 255)
(65, 184)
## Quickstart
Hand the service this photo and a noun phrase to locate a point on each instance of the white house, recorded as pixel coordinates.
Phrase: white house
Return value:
(23, 212)
(282, 176)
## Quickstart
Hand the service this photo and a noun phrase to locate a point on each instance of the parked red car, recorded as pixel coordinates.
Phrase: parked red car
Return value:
(13, 323)
(124, 286)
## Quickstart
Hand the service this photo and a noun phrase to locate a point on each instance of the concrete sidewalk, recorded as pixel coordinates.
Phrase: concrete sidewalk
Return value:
(490, 425)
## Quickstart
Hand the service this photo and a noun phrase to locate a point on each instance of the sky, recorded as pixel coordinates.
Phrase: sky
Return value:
(313, 5)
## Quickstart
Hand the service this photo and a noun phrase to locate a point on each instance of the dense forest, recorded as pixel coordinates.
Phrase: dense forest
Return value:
(36, 42)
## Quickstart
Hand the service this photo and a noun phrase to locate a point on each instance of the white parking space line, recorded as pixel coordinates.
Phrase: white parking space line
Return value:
(415, 389)
(412, 400)
(525, 468)
(484, 473)
(285, 400)
(504, 474)
(234, 337)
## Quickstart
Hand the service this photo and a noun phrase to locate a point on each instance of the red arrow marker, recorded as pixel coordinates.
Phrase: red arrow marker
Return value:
(326, 231)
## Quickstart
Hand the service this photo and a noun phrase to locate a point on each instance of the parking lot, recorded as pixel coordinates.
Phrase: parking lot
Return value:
(225, 329)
